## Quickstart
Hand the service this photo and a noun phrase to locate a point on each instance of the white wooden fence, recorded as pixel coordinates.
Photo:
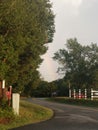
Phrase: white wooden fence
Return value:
(94, 94)
(80, 94)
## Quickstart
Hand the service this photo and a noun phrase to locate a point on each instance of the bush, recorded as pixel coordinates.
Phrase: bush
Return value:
(3, 103)
(80, 102)
(6, 112)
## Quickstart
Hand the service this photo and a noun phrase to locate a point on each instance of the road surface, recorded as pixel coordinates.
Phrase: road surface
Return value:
(66, 117)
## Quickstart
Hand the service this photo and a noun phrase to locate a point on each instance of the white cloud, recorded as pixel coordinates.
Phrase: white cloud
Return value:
(71, 6)
(75, 3)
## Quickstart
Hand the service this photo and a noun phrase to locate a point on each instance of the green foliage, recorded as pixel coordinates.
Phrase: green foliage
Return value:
(7, 113)
(48, 89)
(25, 28)
(61, 87)
(79, 102)
(29, 89)
(3, 103)
(44, 89)
(78, 63)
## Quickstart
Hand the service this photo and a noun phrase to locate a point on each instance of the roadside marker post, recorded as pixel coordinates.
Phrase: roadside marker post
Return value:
(15, 102)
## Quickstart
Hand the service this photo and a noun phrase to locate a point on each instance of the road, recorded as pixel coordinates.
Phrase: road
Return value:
(66, 117)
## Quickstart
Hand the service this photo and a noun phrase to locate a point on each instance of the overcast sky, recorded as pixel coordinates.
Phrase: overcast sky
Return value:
(74, 18)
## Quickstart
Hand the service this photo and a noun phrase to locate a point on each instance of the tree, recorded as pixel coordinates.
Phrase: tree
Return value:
(42, 90)
(78, 63)
(25, 28)
(61, 87)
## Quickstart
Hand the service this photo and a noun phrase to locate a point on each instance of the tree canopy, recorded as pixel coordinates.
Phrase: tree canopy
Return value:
(25, 28)
(79, 63)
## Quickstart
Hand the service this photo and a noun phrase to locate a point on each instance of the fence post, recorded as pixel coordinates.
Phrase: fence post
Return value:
(74, 94)
(79, 93)
(85, 94)
(69, 93)
(91, 94)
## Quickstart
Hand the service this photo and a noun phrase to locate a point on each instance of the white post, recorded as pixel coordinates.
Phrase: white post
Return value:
(91, 94)
(3, 88)
(15, 102)
(85, 94)
(79, 93)
(74, 94)
(69, 93)
(3, 84)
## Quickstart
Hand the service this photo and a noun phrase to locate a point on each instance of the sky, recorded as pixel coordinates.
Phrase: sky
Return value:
(73, 19)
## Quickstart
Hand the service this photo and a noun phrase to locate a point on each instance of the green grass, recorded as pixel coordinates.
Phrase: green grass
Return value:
(29, 113)
(79, 102)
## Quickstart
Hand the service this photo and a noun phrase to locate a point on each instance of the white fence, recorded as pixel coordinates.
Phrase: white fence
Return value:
(83, 94)
(94, 94)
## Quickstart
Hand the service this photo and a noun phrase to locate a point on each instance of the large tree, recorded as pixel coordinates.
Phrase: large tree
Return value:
(78, 63)
(25, 27)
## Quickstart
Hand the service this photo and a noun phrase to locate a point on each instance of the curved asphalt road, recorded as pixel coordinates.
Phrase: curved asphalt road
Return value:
(66, 117)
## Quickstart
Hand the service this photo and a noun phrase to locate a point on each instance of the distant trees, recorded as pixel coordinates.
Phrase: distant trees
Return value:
(61, 87)
(44, 89)
(25, 27)
(79, 64)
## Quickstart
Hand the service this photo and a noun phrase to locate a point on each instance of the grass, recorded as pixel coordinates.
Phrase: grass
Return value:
(29, 113)
(79, 102)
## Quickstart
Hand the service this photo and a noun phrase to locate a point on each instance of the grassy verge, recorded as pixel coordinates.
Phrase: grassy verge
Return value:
(79, 102)
(29, 113)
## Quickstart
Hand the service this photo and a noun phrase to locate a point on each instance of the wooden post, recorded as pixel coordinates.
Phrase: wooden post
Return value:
(69, 93)
(79, 93)
(85, 94)
(74, 94)
(91, 94)
(9, 95)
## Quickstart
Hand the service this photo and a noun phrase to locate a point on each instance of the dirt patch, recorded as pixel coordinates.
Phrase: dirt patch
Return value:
(5, 120)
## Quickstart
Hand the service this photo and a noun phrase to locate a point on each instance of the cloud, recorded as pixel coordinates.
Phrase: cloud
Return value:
(75, 3)
(71, 6)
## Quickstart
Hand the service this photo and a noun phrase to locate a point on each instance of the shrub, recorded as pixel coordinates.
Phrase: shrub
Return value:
(80, 102)
(6, 112)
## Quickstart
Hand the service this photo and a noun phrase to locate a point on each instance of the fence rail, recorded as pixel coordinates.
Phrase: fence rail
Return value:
(83, 94)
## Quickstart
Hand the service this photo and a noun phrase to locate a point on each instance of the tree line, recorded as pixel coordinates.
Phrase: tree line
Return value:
(79, 65)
